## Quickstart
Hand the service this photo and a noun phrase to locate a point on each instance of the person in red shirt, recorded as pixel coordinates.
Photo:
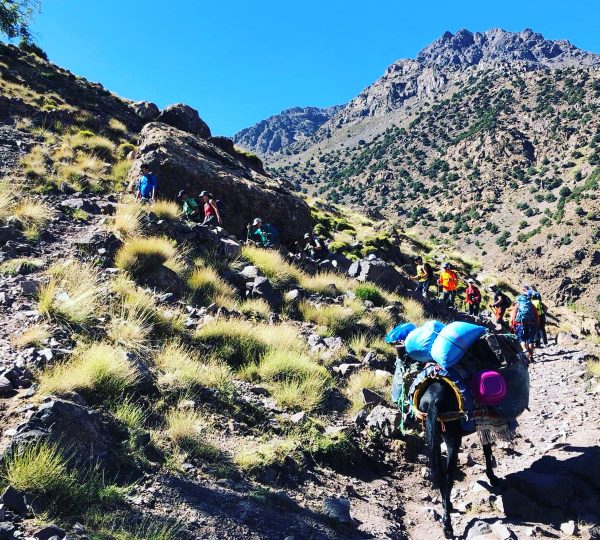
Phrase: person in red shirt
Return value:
(212, 216)
(473, 297)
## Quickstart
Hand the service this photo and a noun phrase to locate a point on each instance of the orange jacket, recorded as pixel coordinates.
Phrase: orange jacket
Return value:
(448, 280)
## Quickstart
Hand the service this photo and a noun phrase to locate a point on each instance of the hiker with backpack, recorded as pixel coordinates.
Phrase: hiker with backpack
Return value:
(541, 336)
(524, 322)
(424, 277)
(212, 213)
(263, 234)
(448, 283)
(473, 297)
(314, 247)
(147, 185)
(190, 207)
(500, 303)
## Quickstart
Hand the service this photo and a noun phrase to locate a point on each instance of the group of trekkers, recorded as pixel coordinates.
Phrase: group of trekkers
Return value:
(208, 211)
(528, 316)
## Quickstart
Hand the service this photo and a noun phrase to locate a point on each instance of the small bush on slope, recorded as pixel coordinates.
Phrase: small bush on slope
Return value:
(13, 267)
(413, 311)
(182, 370)
(98, 369)
(364, 379)
(234, 341)
(72, 295)
(273, 266)
(134, 298)
(139, 254)
(126, 221)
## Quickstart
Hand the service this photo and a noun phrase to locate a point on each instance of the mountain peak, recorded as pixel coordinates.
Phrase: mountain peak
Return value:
(466, 48)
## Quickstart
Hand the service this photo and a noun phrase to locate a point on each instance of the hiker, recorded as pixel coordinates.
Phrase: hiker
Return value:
(314, 248)
(500, 303)
(190, 206)
(524, 322)
(263, 234)
(541, 336)
(147, 185)
(473, 297)
(212, 214)
(424, 277)
(448, 283)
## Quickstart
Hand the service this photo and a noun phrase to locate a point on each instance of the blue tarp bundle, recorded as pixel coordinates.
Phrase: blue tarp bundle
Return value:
(453, 342)
(399, 333)
(419, 342)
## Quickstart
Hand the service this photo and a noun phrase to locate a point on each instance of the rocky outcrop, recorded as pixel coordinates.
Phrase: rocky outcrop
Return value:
(185, 118)
(184, 161)
(281, 130)
(146, 110)
(86, 433)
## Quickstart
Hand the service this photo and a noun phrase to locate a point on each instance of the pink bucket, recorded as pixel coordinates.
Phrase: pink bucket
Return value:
(488, 387)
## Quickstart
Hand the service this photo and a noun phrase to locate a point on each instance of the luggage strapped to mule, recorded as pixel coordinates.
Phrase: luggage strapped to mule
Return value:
(455, 381)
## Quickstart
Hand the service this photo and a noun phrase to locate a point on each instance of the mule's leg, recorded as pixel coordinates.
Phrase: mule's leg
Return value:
(489, 465)
(452, 441)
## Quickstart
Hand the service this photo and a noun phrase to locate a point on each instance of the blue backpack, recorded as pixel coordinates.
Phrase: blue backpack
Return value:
(525, 310)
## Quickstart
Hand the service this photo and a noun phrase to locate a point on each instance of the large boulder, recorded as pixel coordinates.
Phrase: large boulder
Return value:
(183, 117)
(146, 110)
(376, 271)
(183, 161)
(85, 433)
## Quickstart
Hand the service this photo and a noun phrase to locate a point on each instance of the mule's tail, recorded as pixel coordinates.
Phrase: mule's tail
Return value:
(434, 443)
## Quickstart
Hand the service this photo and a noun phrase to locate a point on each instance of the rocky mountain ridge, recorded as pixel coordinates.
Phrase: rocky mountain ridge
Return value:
(284, 129)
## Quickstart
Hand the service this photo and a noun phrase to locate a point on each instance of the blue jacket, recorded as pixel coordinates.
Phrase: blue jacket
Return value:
(146, 184)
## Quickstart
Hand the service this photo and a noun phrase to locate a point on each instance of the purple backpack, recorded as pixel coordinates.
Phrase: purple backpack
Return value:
(488, 387)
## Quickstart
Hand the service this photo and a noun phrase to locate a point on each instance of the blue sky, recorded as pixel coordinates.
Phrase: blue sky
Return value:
(239, 61)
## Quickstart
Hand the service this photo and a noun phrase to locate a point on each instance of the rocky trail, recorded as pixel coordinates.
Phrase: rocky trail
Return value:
(551, 470)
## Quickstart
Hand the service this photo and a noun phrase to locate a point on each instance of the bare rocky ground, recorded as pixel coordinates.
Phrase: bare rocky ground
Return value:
(552, 470)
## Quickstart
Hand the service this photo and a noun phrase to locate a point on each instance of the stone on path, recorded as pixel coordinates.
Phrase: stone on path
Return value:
(338, 509)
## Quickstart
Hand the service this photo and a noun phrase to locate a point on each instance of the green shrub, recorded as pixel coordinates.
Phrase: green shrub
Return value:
(368, 291)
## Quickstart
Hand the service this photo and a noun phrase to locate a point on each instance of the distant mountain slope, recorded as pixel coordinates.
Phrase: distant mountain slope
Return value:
(283, 129)
(487, 140)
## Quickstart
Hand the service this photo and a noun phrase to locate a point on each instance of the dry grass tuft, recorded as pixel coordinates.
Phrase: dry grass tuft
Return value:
(413, 311)
(182, 369)
(126, 221)
(189, 431)
(296, 381)
(208, 287)
(364, 379)
(72, 295)
(100, 369)
(279, 272)
(35, 336)
(268, 454)
(130, 328)
(164, 209)
(322, 282)
(333, 318)
(139, 254)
